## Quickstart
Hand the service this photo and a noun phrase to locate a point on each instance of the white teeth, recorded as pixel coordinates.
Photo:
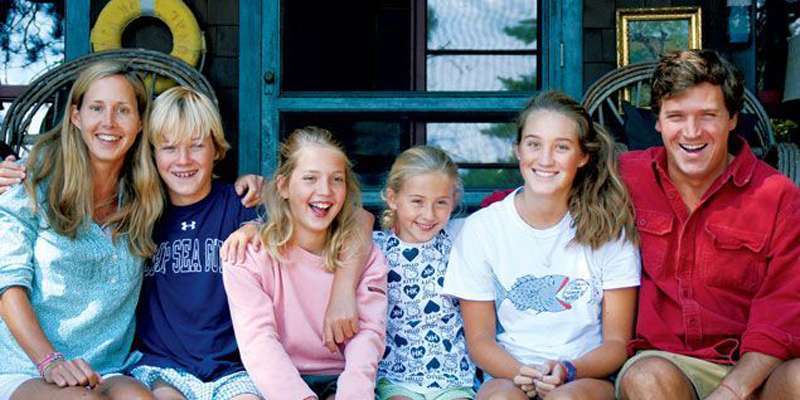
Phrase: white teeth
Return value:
(544, 173)
(322, 206)
(108, 138)
(693, 146)
(184, 174)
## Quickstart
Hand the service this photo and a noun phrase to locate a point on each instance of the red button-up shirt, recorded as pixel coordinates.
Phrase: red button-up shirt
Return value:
(724, 279)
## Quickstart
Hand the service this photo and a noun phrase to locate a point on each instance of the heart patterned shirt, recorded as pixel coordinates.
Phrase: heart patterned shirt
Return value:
(425, 343)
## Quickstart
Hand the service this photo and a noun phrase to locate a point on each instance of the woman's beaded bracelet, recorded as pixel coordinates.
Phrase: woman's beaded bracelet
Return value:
(48, 362)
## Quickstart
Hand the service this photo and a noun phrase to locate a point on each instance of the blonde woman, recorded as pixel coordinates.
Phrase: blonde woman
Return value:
(72, 240)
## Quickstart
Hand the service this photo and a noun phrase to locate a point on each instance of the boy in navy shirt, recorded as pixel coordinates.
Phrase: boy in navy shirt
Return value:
(184, 328)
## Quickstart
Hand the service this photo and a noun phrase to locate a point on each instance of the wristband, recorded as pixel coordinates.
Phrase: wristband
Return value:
(569, 367)
(48, 362)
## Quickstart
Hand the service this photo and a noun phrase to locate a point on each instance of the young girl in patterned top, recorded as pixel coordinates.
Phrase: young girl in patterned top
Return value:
(426, 356)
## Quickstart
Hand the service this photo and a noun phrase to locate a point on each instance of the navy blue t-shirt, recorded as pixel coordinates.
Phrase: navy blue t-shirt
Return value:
(183, 320)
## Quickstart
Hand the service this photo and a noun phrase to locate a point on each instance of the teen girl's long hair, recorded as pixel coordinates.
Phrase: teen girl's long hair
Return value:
(598, 201)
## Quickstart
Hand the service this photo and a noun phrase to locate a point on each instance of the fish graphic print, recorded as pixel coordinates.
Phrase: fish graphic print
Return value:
(549, 293)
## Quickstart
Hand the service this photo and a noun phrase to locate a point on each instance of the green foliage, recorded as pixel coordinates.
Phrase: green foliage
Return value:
(433, 20)
(524, 83)
(502, 131)
(491, 178)
(525, 30)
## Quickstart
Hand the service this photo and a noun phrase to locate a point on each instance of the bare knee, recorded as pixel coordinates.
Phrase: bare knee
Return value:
(654, 377)
(500, 389)
(783, 382)
(246, 397)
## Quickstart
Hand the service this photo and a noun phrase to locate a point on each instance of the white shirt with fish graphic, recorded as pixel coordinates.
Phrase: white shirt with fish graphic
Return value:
(547, 292)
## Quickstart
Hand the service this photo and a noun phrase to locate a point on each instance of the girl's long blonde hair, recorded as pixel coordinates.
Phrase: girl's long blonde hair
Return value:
(598, 201)
(61, 158)
(415, 161)
(278, 230)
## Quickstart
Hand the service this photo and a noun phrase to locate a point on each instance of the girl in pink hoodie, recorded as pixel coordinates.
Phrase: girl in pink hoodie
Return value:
(279, 293)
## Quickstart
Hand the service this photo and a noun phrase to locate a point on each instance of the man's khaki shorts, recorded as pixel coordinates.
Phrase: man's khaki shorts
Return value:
(704, 375)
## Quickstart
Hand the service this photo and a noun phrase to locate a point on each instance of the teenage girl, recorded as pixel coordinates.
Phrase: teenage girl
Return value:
(547, 277)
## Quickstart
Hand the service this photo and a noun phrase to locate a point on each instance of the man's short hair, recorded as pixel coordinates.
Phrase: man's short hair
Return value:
(681, 70)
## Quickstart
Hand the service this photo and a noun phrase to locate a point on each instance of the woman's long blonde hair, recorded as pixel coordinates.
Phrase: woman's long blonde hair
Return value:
(61, 158)
(598, 201)
(415, 161)
(278, 230)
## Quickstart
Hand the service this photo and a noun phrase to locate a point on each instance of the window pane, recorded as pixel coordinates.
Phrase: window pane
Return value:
(347, 45)
(373, 45)
(482, 25)
(474, 142)
(493, 178)
(31, 39)
(371, 142)
(481, 73)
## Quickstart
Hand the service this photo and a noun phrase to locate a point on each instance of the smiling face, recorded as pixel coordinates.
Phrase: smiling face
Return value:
(695, 125)
(316, 191)
(422, 206)
(186, 168)
(109, 121)
(549, 154)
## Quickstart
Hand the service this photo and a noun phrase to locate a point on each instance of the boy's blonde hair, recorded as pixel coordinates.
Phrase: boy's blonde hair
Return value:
(278, 230)
(418, 160)
(182, 114)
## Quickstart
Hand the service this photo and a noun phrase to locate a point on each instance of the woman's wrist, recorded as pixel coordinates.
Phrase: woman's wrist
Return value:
(48, 362)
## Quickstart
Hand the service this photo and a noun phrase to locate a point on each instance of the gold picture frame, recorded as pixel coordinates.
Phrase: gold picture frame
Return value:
(644, 34)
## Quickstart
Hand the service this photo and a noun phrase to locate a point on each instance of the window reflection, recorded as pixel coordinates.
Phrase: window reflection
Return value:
(482, 25)
(485, 73)
(474, 142)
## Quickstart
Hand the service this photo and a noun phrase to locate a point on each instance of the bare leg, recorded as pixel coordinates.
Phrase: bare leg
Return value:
(501, 389)
(164, 391)
(586, 388)
(246, 397)
(36, 389)
(783, 382)
(655, 378)
(125, 388)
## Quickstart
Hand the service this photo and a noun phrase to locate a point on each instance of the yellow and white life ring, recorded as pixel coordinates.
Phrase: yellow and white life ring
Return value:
(188, 42)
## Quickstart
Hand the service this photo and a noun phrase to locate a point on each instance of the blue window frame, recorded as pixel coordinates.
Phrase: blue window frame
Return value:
(267, 108)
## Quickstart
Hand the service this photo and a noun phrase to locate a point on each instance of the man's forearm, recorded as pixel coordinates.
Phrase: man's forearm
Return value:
(750, 373)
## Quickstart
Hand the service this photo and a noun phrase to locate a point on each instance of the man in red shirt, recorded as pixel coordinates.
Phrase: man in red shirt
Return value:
(719, 304)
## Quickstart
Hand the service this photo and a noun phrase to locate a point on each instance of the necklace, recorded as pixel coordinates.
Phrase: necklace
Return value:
(547, 261)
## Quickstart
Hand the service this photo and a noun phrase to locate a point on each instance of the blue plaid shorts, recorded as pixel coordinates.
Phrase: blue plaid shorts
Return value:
(225, 388)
